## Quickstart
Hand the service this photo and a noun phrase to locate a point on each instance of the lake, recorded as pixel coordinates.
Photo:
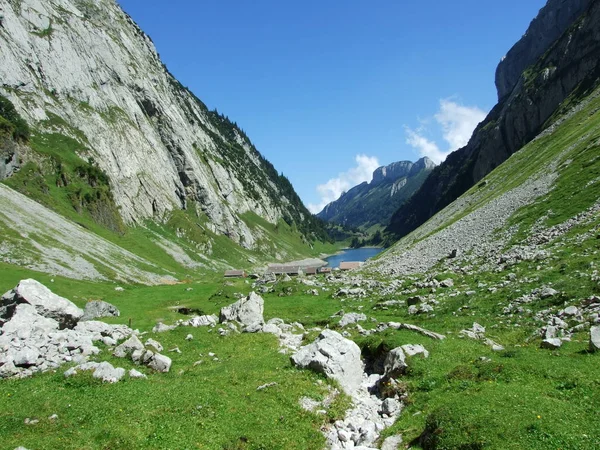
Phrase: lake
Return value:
(352, 254)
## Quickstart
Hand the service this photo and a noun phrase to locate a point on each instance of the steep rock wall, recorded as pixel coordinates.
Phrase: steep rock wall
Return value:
(84, 69)
(570, 66)
(552, 21)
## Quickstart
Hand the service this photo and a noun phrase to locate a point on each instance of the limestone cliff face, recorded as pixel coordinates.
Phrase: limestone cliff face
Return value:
(552, 21)
(84, 69)
(374, 203)
(568, 66)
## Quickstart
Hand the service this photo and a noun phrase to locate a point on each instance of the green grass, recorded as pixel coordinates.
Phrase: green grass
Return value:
(213, 405)
(523, 397)
(465, 402)
(206, 406)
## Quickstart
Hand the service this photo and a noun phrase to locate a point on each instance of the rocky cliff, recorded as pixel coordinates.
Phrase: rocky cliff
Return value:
(82, 71)
(552, 21)
(373, 203)
(569, 66)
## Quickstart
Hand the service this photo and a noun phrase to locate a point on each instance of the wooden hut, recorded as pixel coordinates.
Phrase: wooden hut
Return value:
(282, 269)
(310, 271)
(235, 274)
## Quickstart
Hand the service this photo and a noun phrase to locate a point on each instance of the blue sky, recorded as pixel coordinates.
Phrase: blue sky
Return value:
(328, 90)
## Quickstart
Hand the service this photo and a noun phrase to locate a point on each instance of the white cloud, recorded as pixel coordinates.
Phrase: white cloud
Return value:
(333, 188)
(424, 146)
(457, 123)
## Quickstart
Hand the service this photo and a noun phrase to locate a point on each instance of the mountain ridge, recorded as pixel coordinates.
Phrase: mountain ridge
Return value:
(371, 203)
(569, 66)
(112, 113)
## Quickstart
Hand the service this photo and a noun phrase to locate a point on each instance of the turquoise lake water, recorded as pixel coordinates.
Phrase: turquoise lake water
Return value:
(352, 254)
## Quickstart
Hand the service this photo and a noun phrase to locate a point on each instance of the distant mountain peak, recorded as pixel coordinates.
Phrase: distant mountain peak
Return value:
(374, 203)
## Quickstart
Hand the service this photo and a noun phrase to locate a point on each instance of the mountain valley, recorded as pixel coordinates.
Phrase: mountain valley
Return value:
(124, 199)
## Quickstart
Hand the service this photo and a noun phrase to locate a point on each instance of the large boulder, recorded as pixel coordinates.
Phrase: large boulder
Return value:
(46, 303)
(395, 363)
(248, 311)
(99, 308)
(160, 363)
(334, 356)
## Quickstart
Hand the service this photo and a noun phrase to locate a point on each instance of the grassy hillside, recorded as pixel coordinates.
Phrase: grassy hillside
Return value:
(465, 395)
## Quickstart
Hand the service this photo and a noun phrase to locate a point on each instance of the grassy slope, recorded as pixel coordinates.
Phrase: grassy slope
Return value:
(213, 405)
(58, 177)
(524, 397)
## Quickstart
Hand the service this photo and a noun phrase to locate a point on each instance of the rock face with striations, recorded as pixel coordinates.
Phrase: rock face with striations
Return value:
(85, 70)
(559, 56)
(375, 202)
(552, 21)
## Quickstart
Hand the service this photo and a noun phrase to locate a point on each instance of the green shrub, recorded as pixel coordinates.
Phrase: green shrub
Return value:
(10, 116)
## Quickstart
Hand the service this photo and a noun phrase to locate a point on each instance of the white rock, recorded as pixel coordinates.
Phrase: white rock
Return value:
(548, 292)
(448, 282)
(571, 311)
(162, 328)
(160, 363)
(107, 373)
(392, 443)
(351, 318)
(46, 303)
(99, 308)
(27, 322)
(128, 347)
(201, 321)
(248, 311)
(155, 344)
(70, 372)
(594, 339)
(135, 374)
(395, 363)
(391, 407)
(334, 356)
(415, 349)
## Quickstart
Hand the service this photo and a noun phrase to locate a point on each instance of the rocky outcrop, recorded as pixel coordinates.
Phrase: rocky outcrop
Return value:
(375, 202)
(391, 172)
(569, 66)
(98, 308)
(334, 356)
(45, 302)
(248, 311)
(552, 21)
(41, 332)
(376, 401)
(159, 145)
(9, 157)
